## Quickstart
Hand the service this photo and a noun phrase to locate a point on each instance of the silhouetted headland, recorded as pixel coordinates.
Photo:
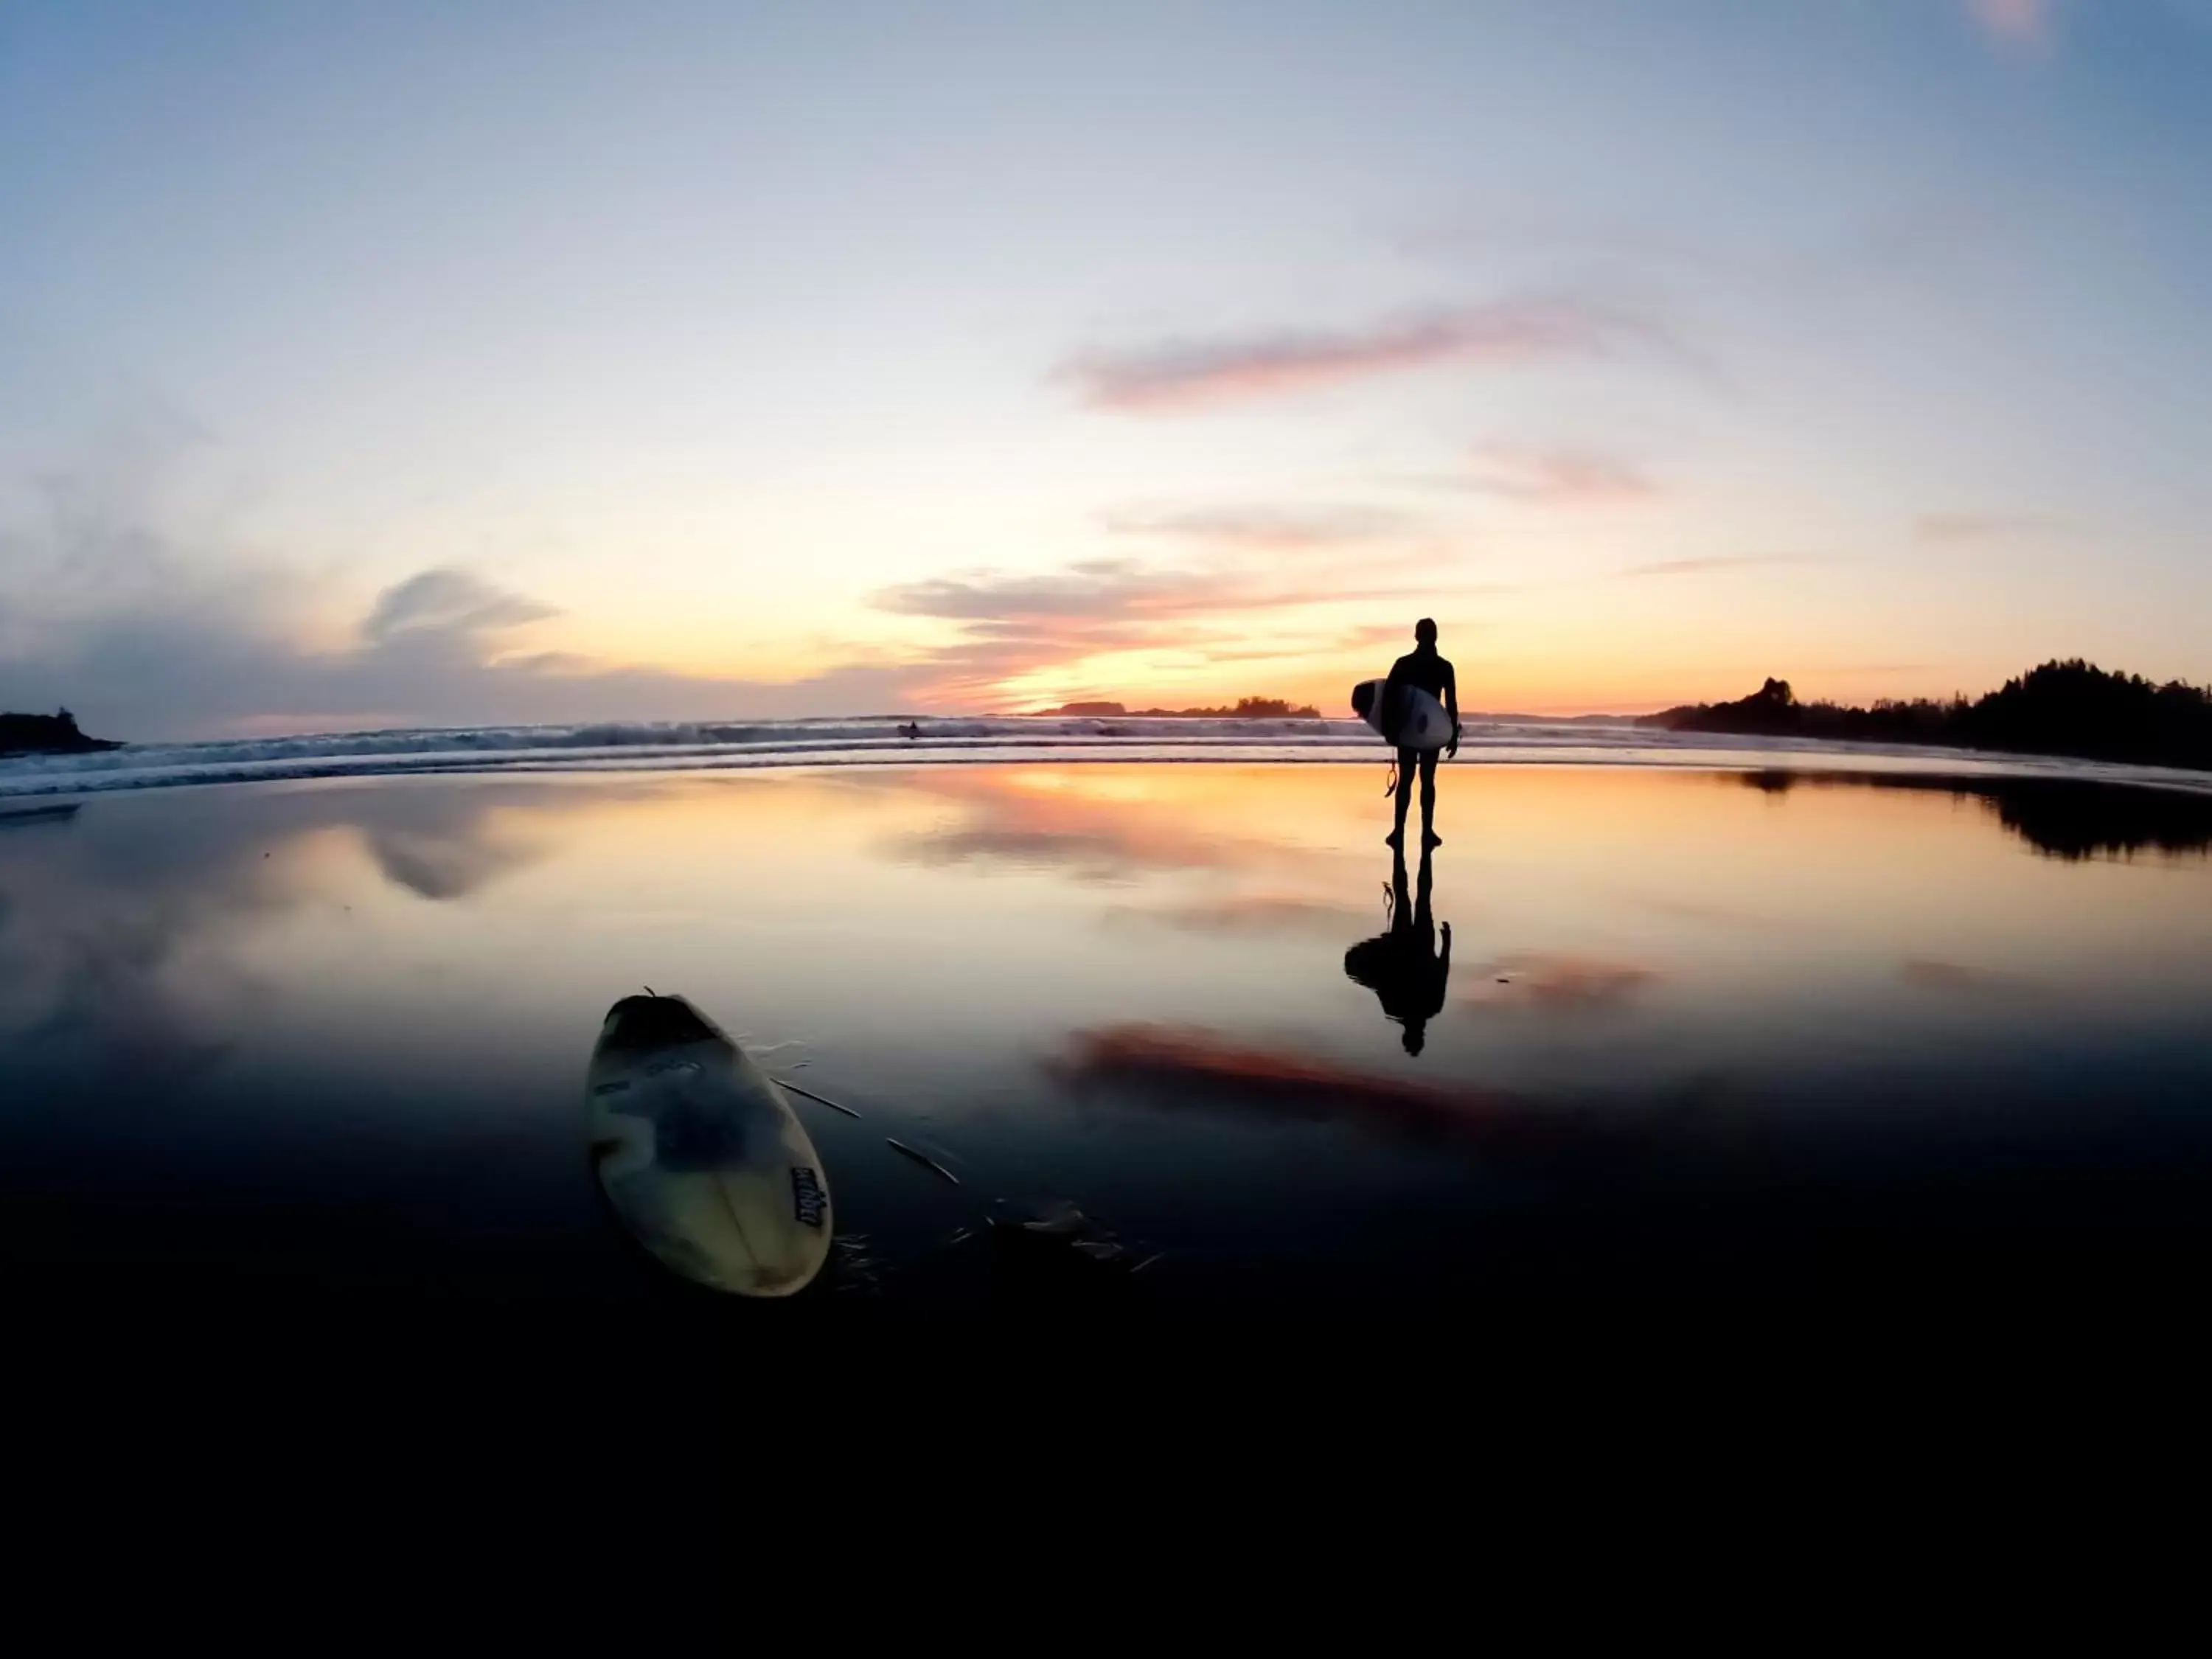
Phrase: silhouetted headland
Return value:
(2073, 708)
(1247, 708)
(47, 734)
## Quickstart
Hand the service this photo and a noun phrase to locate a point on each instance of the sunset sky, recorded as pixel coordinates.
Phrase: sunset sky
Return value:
(423, 363)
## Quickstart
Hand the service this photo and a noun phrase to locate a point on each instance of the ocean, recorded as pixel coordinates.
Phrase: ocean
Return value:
(618, 746)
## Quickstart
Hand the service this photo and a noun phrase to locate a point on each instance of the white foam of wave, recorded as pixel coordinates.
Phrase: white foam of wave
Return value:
(704, 745)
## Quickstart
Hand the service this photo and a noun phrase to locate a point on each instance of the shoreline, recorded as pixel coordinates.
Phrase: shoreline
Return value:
(1789, 757)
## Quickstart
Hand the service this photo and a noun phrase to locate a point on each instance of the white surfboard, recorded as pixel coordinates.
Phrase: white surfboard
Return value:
(1426, 725)
(700, 1154)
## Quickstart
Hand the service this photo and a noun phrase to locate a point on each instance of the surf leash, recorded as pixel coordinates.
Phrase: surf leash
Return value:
(786, 1083)
(922, 1158)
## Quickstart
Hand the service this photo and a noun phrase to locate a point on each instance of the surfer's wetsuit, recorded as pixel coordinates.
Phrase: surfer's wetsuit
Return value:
(1423, 668)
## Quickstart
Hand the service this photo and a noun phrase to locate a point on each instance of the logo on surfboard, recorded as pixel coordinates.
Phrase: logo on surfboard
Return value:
(808, 1201)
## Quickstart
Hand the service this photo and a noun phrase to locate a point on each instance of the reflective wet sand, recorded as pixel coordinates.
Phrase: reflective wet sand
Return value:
(1659, 1035)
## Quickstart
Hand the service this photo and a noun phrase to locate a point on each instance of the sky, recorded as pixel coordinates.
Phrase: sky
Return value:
(404, 364)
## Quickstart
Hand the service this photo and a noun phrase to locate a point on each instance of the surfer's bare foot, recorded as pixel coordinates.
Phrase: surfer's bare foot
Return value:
(1395, 838)
(1430, 838)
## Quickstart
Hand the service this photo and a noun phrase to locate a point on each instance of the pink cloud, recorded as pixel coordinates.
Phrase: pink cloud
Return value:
(1006, 623)
(1560, 477)
(1180, 375)
(2015, 22)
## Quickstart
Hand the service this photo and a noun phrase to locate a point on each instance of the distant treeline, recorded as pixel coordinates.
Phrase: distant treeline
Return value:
(2071, 707)
(1247, 708)
(46, 734)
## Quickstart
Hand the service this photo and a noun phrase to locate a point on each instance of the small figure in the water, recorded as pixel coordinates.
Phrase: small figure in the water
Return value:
(1422, 667)
(1403, 967)
(910, 731)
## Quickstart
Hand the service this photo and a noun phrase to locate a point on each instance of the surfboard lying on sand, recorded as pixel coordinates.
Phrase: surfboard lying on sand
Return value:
(701, 1154)
(1422, 722)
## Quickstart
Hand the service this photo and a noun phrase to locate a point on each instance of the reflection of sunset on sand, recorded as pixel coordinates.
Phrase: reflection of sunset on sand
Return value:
(1582, 891)
(1194, 999)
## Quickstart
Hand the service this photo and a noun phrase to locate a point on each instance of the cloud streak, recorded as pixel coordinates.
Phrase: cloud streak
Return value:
(1559, 477)
(1184, 375)
(1697, 566)
(1980, 526)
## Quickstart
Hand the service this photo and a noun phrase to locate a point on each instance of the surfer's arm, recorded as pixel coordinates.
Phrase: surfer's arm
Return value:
(1451, 707)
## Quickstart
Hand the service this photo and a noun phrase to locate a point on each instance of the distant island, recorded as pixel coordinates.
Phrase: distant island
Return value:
(2073, 708)
(1247, 708)
(47, 734)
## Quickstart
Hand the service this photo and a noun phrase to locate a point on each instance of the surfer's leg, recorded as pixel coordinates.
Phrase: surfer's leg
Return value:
(1407, 760)
(1429, 836)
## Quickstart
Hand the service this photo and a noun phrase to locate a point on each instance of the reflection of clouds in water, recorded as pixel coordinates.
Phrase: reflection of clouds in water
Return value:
(117, 925)
(1172, 1067)
(1083, 854)
(1245, 913)
(1559, 982)
(1931, 974)
(445, 861)
(95, 971)
(1087, 833)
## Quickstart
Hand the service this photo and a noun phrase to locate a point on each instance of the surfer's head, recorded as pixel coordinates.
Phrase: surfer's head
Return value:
(1425, 631)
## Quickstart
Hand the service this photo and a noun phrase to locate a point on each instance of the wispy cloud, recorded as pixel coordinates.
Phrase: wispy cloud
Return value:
(1089, 588)
(1559, 477)
(1012, 623)
(1120, 590)
(2015, 22)
(1694, 567)
(449, 601)
(1181, 375)
(1325, 525)
(1981, 526)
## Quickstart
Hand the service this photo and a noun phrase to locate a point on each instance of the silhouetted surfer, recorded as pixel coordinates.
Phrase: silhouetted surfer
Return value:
(1403, 967)
(1422, 667)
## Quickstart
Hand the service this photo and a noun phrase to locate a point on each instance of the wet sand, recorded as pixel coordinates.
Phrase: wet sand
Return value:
(1701, 1038)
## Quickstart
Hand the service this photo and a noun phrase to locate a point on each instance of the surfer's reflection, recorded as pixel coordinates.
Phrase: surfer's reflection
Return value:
(1403, 967)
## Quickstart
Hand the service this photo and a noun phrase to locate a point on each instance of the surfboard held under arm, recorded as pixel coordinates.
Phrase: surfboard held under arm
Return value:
(700, 1153)
(1419, 720)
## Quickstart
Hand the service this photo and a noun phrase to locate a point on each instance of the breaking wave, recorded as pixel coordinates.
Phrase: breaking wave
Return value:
(878, 740)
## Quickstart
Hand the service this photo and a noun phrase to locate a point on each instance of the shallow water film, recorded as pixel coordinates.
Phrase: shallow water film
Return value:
(1146, 1042)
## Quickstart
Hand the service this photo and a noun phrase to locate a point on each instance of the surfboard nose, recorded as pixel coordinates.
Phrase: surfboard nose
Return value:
(653, 1023)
